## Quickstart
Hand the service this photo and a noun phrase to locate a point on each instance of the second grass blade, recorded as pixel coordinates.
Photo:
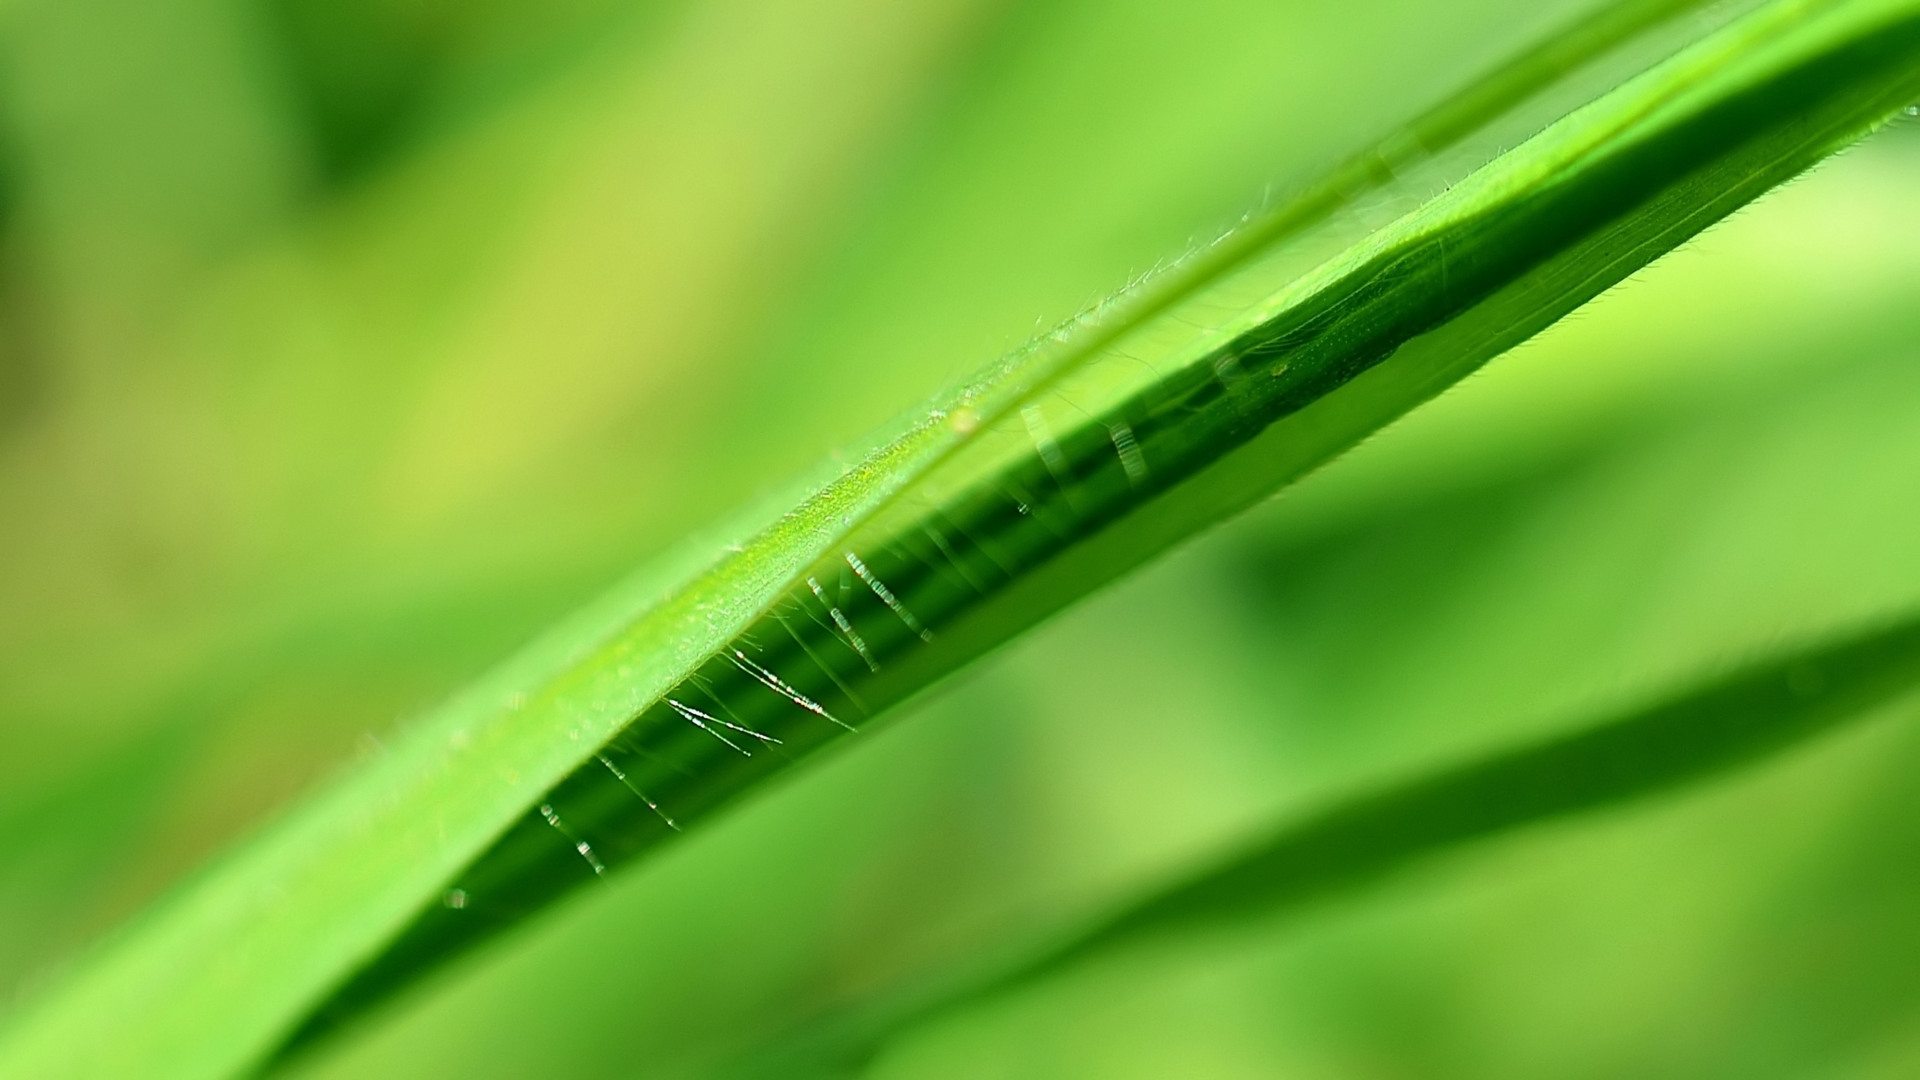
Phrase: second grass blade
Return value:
(1758, 711)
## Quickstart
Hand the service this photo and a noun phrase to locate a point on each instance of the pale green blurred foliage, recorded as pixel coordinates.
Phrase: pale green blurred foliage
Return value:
(344, 346)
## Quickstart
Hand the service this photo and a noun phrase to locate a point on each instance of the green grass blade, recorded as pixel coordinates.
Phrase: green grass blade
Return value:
(1760, 711)
(1756, 713)
(1501, 256)
(573, 759)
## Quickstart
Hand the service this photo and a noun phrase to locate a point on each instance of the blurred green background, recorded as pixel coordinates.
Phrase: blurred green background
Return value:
(345, 345)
